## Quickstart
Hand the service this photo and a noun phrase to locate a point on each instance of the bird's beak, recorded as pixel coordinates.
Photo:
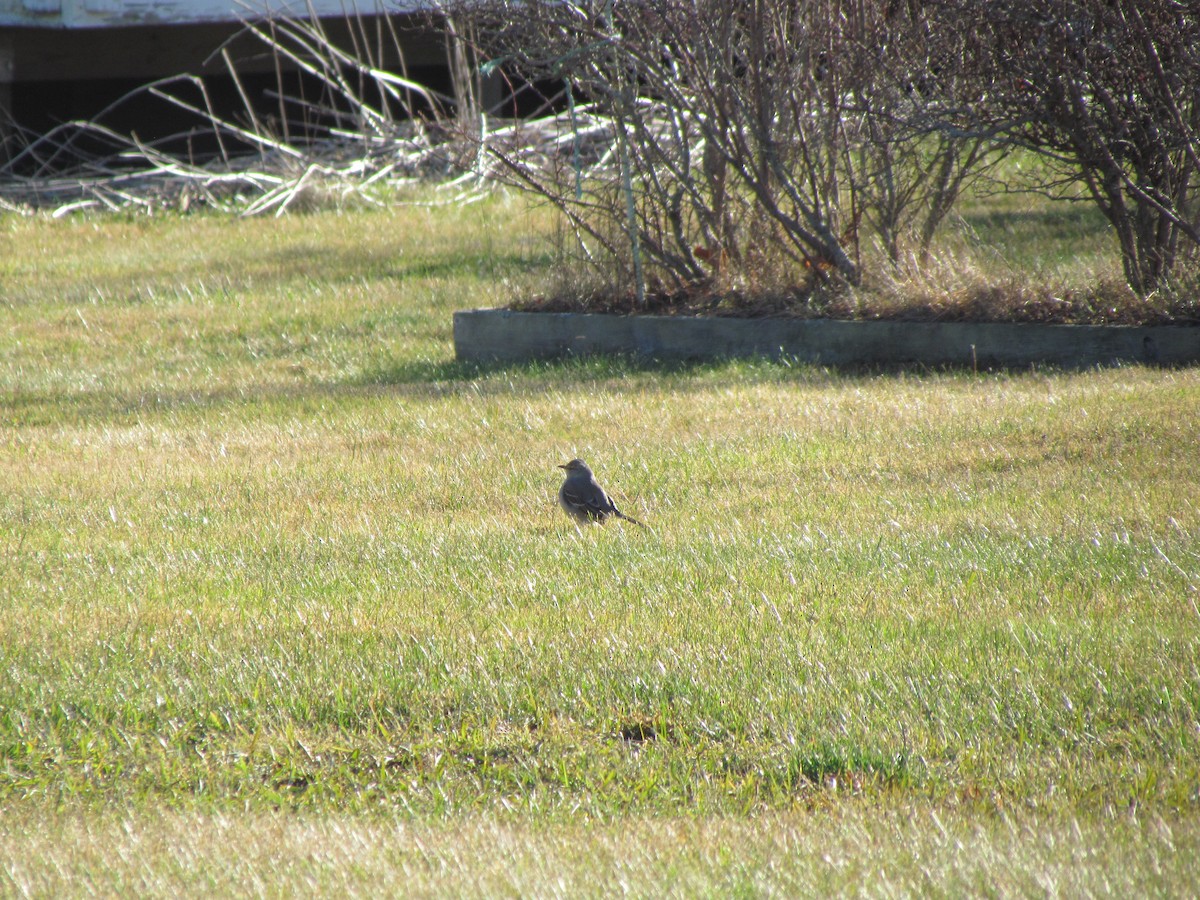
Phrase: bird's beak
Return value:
(562, 466)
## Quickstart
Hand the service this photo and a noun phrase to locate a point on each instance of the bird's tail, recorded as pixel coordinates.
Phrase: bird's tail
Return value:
(621, 515)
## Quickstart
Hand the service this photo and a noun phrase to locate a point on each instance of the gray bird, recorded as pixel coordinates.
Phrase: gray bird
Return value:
(582, 498)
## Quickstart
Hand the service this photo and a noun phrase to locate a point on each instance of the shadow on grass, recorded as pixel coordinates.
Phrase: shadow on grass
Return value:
(1081, 219)
(636, 368)
(425, 378)
(640, 373)
(558, 372)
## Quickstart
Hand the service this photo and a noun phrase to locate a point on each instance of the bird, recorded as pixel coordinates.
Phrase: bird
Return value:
(582, 498)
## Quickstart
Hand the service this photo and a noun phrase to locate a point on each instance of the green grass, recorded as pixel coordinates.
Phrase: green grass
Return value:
(1008, 228)
(289, 604)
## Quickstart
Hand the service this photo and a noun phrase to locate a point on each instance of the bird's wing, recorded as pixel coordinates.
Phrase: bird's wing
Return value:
(588, 497)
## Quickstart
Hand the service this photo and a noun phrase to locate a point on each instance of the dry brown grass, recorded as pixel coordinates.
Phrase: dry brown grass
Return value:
(946, 288)
(836, 848)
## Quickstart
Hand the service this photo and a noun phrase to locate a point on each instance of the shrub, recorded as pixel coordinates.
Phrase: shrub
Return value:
(747, 145)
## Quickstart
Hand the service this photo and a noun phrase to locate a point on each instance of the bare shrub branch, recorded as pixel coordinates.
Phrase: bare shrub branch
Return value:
(763, 137)
(1107, 90)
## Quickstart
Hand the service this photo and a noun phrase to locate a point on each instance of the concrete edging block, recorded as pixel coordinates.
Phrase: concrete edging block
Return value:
(501, 335)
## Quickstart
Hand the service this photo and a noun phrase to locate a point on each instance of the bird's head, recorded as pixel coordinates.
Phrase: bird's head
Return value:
(575, 465)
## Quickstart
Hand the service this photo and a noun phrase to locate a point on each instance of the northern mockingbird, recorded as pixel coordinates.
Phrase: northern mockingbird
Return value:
(582, 498)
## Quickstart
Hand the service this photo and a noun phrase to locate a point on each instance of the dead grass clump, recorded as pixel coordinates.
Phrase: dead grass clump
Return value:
(1106, 303)
(942, 289)
(950, 288)
(702, 299)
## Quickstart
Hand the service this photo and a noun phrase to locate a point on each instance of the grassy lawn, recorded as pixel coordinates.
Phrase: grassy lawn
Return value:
(289, 604)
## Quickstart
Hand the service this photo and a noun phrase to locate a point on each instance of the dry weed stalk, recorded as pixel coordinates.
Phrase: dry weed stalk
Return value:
(347, 148)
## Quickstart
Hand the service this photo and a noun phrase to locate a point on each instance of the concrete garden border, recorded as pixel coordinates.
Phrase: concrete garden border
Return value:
(501, 335)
